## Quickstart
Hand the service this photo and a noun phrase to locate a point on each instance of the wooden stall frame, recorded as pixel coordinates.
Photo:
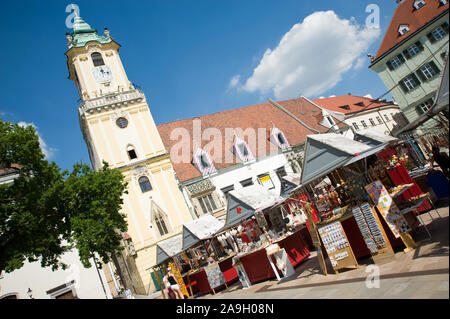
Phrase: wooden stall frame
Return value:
(348, 249)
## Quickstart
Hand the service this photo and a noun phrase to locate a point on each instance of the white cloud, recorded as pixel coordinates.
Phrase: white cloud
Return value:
(312, 57)
(48, 151)
(360, 62)
(234, 81)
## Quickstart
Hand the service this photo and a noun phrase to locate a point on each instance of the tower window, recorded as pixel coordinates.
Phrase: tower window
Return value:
(122, 122)
(97, 59)
(144, 183)
(131, 152)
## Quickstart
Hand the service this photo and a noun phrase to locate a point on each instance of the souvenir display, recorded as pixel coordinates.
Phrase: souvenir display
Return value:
(214, 275)
(387, 208)
(337, 246)
(333, 237)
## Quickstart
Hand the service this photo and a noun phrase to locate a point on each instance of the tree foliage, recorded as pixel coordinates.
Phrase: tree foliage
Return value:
(46, 212)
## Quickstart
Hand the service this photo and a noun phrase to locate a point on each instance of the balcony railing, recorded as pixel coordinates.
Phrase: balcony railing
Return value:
(113, 100)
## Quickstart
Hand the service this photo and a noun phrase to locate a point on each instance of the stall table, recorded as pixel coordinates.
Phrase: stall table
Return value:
(198, 281)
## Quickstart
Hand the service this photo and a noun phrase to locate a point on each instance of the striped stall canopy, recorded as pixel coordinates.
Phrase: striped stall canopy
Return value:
(203, 162)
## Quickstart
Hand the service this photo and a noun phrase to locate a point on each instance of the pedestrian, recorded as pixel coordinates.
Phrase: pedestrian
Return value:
(441, 159)
(171, 282)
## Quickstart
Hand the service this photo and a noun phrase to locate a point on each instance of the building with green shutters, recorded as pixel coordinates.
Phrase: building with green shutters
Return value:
(412, 55)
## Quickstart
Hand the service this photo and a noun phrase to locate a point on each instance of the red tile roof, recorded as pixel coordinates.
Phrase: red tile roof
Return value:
(347, 104)
(405, 13)
(254, 116)
(9, 170)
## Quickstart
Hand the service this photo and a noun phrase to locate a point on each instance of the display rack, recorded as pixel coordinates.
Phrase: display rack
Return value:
(337, 246)
(391, 213)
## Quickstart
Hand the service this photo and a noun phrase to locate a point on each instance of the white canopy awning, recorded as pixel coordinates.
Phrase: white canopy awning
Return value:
(200, 229)
(168, 248)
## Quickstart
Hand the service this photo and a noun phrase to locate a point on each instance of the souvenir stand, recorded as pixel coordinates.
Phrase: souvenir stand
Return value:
(166, 250)
(255, 231)
(210, 268)
(350, 227)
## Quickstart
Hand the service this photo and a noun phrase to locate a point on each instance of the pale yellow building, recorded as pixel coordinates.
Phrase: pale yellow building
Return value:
(118, 128)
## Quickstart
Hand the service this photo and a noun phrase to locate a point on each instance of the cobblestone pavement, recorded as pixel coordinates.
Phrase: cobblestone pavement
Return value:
(421, 273)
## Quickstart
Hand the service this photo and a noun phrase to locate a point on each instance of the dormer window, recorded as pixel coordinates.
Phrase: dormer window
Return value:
(278, 138)
(331, 121)
(97, 59)
(403, 29)
(242, 151)
(419, 4)
(203, 162)
(345, 107)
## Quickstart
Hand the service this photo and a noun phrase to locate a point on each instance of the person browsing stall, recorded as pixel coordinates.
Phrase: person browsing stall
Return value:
(170, 281)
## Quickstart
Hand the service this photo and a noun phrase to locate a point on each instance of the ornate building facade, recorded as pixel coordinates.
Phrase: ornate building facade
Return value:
(119, 129)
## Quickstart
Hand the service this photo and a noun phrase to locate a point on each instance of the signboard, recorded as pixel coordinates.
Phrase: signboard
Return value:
(266, 181)
(387, 208)
(214, 275)
(337, 246)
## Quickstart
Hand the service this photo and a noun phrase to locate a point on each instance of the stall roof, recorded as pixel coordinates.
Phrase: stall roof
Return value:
(326, 152)
(200, 229)
(168, 248)
(245, 202)
(373, 138)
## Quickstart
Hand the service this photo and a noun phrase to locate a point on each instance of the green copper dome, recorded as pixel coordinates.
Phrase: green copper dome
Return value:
(83, 33)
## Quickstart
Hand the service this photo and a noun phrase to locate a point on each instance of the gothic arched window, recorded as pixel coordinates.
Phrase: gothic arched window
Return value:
(144, 183)
(97, 59)
(161, 224)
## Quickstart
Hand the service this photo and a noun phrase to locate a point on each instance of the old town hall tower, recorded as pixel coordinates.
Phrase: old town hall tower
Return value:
(118, 128)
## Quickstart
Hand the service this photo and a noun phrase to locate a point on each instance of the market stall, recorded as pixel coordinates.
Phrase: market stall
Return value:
(353, 224)
(210, 267)
(166, 252)
(255, 231)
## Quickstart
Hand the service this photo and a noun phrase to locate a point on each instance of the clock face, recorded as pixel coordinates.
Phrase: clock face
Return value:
(102, 73)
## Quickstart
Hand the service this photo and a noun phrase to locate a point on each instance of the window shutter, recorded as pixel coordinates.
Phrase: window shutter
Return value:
(389, 65)
(445, 27)
(401, 58)
(419, 45)
(403, 86)
(406, 54)
(421, 75)
(431, 38)
(435, 67)
(419, 109)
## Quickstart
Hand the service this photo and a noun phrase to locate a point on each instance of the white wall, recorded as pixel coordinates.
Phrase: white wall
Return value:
(384, 128)
(87, 283)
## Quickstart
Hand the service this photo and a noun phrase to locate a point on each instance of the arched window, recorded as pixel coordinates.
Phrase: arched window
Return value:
(97, 59)
(161, 224)
(144, 183)
(131, 152)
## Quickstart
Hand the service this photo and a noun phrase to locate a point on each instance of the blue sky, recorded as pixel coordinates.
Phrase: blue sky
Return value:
(183, 55)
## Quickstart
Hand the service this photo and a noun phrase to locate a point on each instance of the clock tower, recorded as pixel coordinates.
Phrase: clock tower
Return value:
(118, 128)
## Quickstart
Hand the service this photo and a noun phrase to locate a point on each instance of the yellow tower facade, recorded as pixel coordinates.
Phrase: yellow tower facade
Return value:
(119, 129)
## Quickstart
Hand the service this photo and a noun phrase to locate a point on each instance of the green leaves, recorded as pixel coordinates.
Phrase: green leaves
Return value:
(46, 212)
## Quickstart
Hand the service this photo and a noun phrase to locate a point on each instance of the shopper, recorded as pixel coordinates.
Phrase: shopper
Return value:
(170, 281)
(441, 159)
